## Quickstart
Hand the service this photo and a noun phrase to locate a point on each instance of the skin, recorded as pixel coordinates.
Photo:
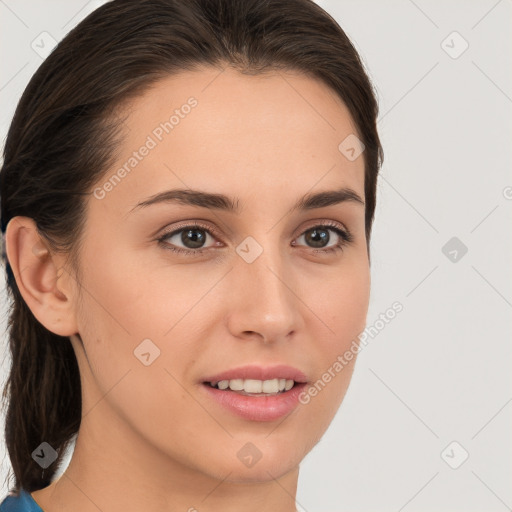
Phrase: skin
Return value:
(150, 439)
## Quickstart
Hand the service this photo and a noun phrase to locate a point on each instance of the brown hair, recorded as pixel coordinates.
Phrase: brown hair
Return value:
(64, 136)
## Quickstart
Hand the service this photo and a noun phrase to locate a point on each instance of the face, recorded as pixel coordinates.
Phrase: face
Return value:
(181, 292)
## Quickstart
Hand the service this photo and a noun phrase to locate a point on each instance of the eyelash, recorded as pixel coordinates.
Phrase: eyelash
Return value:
(346, 238)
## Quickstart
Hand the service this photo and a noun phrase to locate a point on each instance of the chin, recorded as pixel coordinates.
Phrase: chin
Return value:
(261, 460)
(261, 472)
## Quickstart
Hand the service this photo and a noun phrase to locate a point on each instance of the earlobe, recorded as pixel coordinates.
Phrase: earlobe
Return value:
(40, 276)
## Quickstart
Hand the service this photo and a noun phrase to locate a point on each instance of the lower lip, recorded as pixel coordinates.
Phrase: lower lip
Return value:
(257, 408)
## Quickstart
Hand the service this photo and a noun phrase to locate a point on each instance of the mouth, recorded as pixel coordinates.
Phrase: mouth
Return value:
(256, 393)
(254, 387)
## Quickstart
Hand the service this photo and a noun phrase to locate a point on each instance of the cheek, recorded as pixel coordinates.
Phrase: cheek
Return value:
(342, 304)
(130, 309)
(139, 298)
(113, 326)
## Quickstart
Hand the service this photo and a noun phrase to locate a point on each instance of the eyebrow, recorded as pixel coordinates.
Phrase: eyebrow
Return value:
(222, 202)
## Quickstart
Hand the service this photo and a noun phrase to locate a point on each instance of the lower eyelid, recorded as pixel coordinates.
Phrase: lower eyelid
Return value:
(344, 236)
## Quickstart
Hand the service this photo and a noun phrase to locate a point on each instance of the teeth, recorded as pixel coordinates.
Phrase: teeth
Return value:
(255, 386)
(236, 384)
(270, 386)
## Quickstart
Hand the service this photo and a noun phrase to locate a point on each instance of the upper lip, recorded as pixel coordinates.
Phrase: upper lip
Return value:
(278, 371)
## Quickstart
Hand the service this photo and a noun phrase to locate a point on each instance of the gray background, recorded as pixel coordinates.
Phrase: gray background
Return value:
(433, 386)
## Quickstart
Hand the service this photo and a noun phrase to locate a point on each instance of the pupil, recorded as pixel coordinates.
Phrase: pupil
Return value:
(318, 236)
(190, 236)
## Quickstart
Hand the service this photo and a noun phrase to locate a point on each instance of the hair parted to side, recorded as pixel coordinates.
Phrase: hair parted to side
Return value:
(65, 133)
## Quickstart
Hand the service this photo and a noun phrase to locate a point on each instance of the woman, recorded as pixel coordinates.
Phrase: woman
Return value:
(187, 196)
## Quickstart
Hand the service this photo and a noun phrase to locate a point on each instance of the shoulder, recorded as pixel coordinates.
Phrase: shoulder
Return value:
(21, 503)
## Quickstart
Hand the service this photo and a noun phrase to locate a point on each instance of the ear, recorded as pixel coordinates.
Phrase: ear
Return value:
(44, 283)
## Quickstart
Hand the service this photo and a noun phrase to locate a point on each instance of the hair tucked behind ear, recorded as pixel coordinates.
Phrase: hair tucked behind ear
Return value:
(65, 133)
(45, 394)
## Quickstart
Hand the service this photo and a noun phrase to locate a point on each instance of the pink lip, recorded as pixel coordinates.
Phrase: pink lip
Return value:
(257, 408)
(280, 371)
(254, 407)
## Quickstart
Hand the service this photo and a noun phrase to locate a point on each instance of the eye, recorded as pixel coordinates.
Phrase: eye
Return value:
(194, 237)
(318, 237)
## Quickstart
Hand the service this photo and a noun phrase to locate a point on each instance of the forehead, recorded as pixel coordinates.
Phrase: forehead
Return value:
(228, 100)
(223, 130)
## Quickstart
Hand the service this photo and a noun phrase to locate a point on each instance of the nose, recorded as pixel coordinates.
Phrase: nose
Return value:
(264, 303)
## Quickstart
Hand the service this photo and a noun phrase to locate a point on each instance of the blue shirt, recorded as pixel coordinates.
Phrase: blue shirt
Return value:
(22, 503)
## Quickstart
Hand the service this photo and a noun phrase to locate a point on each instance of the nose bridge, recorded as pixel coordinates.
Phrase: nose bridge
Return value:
(265, 300)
